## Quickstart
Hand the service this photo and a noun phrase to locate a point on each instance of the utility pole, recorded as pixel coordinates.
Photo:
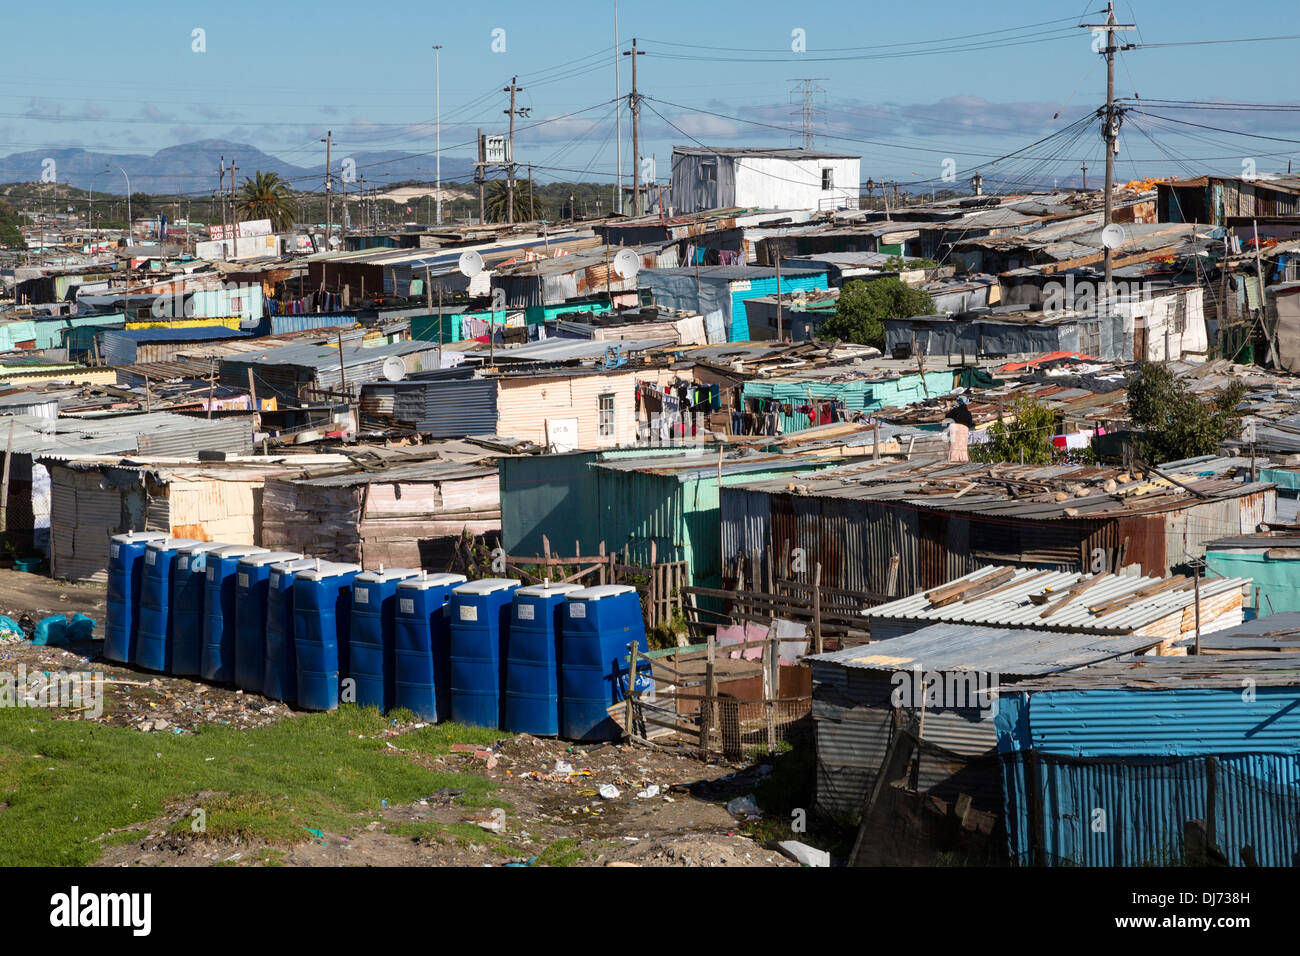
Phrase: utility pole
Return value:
(618, 117)
(221, 191)
(329, 219)
(1110, 120)
(1085, 177)
(512, 89)
(532, 212)
(634, 103)
(778, 289)
(478, 175)
(437, 99)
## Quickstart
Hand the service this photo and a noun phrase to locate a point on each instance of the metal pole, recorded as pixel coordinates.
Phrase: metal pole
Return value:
(437, 97)
(618, 114)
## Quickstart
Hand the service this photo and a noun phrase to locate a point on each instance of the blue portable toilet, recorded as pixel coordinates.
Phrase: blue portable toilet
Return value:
(533, 659)
(153, 646)
(125, 574)
(252, 580)
(422, 645)
(598, 625)
(370, 642)
(189, 587)
(480, 618)
(280, 670)
(322, 611)
(217, 660)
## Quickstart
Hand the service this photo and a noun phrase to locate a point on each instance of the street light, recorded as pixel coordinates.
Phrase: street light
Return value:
(130, 231)
(437, 97)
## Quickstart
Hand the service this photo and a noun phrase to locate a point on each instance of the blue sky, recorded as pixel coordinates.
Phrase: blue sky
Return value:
(906, 86)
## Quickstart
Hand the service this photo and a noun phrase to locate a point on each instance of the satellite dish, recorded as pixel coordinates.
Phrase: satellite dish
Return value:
(394, 369)
(627, 264)
(470, 264)
(1113, 236)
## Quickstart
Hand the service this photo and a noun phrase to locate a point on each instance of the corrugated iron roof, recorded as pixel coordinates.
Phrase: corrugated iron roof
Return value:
(1124, 606)
(1002, 651)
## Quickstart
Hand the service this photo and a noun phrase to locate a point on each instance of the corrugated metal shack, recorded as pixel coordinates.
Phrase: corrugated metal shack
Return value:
(1009, 331)
(284, 372)
(945, 520)
(863, 695)
(403, 515)
(705, 289)
(591, 271)
(128, 346)
(94, 499)
(1105, 766)
(630, 498)
(1271, 559)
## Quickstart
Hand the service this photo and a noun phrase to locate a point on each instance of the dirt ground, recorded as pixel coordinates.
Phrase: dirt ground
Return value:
(555, 812)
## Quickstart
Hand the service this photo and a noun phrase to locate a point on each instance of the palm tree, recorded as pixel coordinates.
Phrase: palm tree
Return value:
(266, 196)
(496, 202)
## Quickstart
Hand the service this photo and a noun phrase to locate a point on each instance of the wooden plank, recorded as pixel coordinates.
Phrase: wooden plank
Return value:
(1073, 593)
(971, 589)
(1109, 605)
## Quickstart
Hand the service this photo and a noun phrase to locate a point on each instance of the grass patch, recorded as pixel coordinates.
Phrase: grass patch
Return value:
(123, 837)
(563, 852)
(68, 782)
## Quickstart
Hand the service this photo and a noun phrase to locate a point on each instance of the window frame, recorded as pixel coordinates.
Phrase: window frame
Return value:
(602, 423)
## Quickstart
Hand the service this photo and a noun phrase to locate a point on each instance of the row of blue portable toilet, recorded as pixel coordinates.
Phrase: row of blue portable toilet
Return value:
(547, 659)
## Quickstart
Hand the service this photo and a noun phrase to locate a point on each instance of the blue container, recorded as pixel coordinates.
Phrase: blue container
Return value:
(533, 660)
(189, 587)
(480, 619)
(252, 582)
(370, 642)
(125, 574)
(217, 659)
(598, 625)
(422, 645)
(322, 610)
(279, 666)
(153, 647)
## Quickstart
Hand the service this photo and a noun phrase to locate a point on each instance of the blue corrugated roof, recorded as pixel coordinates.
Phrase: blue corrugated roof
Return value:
(200, 333)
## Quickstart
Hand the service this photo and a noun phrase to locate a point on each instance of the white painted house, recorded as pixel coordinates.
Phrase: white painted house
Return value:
(721, 177)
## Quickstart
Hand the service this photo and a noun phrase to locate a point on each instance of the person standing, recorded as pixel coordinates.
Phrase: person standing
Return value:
(960, 424)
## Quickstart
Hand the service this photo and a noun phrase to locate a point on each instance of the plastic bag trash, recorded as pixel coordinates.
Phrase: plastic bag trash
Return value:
(744, 806)
(11, 630)
(803, 853)
(609, 792)
(81, 628)
(51, 630)
(562, 766)
(648, 792)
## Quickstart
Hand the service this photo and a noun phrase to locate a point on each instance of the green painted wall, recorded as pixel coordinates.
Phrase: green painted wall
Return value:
(1278, 580)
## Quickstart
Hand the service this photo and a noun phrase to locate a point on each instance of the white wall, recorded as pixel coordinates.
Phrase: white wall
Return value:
(1158, 315)
(770, 183)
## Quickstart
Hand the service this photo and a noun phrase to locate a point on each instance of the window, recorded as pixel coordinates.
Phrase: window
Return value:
(606, 415)
(236, 304)
(709, 172)
(828, 179)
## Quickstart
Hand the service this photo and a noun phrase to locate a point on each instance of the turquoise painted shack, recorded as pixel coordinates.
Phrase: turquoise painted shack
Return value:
(1105, 766)
(707, 289)
(1270, 559)
(631, 498)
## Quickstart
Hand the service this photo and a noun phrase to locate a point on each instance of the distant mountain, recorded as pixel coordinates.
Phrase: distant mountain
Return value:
(192, 167)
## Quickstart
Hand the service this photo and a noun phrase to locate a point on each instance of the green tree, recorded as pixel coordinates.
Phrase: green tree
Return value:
(863, 305)
(496, 201)
(266, 196)
(1176, 424)
(1023, 435)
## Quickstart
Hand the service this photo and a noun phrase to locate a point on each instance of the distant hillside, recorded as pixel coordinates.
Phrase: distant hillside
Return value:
(192, 167)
